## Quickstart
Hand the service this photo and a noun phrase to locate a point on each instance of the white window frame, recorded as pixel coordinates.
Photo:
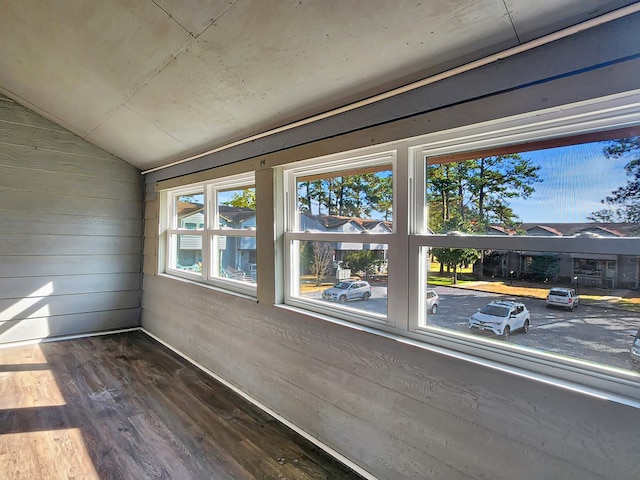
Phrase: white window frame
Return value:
(173, 230)
(409, 174)
(372, 157)
(587, 117)
(209, 234)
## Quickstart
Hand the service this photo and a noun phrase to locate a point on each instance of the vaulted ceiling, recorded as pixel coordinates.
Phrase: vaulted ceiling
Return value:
(154, 81)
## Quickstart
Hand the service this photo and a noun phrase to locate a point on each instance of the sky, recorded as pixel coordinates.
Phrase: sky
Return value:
(575, 179)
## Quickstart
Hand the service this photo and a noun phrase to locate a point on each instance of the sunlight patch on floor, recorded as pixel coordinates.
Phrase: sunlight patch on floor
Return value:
(45, 455)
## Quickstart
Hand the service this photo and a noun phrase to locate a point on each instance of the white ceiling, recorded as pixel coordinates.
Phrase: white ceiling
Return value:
(153, 81)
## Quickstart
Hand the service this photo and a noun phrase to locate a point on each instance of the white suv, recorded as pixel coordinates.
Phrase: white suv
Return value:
(563, 297)
(501, 317)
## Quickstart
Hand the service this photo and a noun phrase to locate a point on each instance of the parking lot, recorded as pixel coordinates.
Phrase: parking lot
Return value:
(592, 332)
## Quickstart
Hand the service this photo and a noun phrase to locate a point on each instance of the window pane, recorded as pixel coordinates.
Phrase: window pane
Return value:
(189, 211)
(237, 208)
(236, 258)
(577, 305)
(353, 202)
(583, 189)
(186, 253)
(344, 275)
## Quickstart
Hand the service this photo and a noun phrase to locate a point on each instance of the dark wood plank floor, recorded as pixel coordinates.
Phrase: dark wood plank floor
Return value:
(125, 407)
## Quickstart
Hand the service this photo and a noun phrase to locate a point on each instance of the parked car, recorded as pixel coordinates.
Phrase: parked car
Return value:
(563, 297)
(433, 301)
(348, 290)
(501, 317)
(635, 347)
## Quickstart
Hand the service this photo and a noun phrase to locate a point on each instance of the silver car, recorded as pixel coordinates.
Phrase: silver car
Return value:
(433, 301)
(348, 290)
(563, 297)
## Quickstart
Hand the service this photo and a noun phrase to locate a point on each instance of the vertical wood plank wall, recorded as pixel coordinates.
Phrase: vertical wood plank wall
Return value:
(70, 232)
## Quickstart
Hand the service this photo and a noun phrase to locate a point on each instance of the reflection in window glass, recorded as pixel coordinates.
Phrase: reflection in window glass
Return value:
(579, 305)
(347, 202)
(352, 275)
(236, 258)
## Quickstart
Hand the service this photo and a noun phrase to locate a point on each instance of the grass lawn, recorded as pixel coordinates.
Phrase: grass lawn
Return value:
(437, 280)
(588, 296)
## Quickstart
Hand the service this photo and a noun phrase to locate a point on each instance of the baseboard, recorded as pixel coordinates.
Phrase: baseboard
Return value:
(330, 451)
(67, 337)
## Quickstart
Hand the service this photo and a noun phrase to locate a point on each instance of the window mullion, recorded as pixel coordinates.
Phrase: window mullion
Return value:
(399, 259)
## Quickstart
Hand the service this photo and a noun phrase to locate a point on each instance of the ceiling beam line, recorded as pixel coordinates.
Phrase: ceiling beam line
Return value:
(544, 40)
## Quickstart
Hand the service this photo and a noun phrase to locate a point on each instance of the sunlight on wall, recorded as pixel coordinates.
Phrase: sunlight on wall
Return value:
(21, 306)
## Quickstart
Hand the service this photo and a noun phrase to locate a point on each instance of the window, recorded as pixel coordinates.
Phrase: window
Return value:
(220, 246)
(514, 225)
(489, 215)
(455, 240)
(339, 232)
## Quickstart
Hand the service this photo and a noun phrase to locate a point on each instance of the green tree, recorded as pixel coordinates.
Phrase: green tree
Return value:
(245, 199)
(623, 204)
(442, 194)
(452, 258)
(493, 181)
(455, 257)
(357, 195)
(379, 194)
(477, 191)
(363, 262)
(544, 267)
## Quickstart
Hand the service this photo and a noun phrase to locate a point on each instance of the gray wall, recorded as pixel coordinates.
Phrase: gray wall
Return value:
(400, 411)
(70, 232)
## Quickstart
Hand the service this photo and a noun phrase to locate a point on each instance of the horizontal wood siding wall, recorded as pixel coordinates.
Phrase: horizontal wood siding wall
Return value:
(70, 232)
(398, 411)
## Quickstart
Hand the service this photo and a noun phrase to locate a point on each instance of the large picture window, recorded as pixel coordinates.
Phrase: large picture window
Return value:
(211, 235)
(548, 231)
(526, 241)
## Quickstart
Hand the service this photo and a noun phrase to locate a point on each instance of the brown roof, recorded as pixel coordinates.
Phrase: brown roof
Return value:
(187, 208)
(570, 229)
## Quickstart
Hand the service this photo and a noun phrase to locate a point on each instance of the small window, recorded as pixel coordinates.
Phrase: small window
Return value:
(220, 247)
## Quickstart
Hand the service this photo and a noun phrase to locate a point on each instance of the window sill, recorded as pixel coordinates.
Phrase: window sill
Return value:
(209, 286)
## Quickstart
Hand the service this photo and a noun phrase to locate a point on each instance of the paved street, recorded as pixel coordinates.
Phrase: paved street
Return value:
(594, 333)
(590, 332)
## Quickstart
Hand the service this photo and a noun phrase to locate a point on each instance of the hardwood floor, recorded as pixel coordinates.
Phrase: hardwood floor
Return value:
(125, 407)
